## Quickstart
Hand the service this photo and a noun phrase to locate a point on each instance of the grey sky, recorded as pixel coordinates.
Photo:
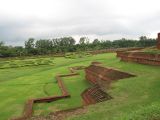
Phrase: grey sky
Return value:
(103, 19)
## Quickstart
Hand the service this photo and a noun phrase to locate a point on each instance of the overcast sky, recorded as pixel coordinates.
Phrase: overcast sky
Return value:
(103, 19)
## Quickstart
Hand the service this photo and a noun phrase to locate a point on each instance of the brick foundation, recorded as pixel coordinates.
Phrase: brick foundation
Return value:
(97, 74)
(140, 57)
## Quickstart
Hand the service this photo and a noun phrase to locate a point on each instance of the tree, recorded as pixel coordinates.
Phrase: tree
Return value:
(146, 42)
(30, 43)
(44, 46)
(19, 51)
(96, 41)
(1, 43)
(82, 40)
(96, 44)
(142, 38)
(29, 46)
(68, 44)
(84, 43)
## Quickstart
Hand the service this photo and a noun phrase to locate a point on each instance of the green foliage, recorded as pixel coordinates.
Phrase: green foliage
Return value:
(43, 46)
(29, 46)
(68, 44)
(1, 43)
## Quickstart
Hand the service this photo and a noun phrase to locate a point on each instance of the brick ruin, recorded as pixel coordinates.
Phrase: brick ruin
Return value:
(158, 41)
(94, 94)
(139, 57)
(112, 50)
(98, 75)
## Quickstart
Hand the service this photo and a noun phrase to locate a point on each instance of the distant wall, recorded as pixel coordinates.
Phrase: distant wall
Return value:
(158, 42)
(94, 52)
(140, 57)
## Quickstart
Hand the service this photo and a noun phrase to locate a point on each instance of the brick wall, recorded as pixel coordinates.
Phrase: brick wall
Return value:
(96, 74)
(158, 42)
(139, 57)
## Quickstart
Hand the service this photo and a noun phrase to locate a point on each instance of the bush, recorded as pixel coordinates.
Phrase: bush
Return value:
(77, 55)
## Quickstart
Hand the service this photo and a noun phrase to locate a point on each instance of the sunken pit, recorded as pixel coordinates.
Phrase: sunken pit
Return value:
(99, 75)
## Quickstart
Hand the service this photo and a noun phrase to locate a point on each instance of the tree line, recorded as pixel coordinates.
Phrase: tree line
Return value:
(68, 44)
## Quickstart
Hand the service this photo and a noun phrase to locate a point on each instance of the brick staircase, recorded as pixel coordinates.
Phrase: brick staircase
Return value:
(94, 95)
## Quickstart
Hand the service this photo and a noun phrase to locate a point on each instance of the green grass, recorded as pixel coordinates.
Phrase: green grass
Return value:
(28, 62)
(75, 85)
(151, 50)
(20, 84)
(134, 98)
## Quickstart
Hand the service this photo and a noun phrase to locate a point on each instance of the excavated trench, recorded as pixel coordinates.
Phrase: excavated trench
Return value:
(96, 74)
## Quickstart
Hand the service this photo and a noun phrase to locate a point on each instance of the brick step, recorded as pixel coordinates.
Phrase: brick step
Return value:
(94, 94)
(88, 100)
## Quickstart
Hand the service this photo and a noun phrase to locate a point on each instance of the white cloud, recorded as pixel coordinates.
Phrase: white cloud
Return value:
(104, 19)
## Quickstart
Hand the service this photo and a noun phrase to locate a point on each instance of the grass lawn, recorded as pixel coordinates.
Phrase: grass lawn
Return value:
(132, 96)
